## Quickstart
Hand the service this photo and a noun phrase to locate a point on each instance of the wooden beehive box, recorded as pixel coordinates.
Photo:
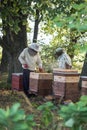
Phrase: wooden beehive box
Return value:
(17, 81)
(40, 83)
(83, 85)
(65, 84)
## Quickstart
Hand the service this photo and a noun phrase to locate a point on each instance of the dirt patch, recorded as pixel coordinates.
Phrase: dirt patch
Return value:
(8, 98)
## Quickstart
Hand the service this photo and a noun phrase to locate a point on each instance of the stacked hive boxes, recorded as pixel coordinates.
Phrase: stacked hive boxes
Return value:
(40, 83)
(84, 85)
(17, 81)
(65, 84)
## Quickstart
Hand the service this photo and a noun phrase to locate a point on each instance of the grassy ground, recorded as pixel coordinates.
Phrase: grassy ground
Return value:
(3, 82)
(5, 89)
(9, 97)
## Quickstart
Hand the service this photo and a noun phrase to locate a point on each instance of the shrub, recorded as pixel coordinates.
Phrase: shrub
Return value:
(75, 114)
(15, 119)
(48, 120)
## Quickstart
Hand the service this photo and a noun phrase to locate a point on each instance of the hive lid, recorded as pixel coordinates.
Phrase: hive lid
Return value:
(18, 74)
(37, 73)
(41, 75)
(84, 78)
(65, 71)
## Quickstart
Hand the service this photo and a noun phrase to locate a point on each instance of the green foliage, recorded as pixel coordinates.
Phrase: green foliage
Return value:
(47, 116)
(13, 13)
(75, 19)
(47, 55)
(82, 48)
(15, 119)
(75, 114)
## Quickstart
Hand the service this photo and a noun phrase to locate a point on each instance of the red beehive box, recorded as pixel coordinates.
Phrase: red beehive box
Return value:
(17, 81)
(65, 84)
(40, 83)
(84, 85)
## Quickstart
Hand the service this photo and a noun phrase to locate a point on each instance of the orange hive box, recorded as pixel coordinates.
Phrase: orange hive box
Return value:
(65, 84)
(40, 83)
(83, 85)
(17, 81)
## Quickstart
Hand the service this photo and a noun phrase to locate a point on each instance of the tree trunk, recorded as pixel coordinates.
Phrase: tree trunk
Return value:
(36, 27)
(84, 70)
(4, 59)
(14, 66)
(4, 62)
(13, 45)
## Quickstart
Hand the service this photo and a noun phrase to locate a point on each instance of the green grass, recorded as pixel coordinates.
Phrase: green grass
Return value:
(3, 81)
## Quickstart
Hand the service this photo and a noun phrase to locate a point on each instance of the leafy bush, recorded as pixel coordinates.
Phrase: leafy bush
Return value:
(75, 114)
(15, 119)
(48, 120)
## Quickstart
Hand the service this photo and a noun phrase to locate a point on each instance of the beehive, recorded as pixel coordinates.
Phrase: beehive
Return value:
(40, 83)
(84, 85)
(65, 84)
(17, 81)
